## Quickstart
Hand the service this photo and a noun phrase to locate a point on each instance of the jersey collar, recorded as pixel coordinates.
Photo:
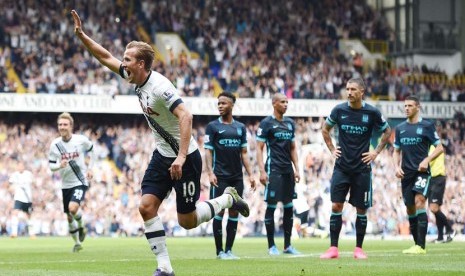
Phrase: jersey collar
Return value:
(363, 104)
(221, 120)
(419, 120)
(146, 80)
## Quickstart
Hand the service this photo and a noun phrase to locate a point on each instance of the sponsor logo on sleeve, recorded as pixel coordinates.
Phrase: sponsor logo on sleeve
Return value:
(167, 95)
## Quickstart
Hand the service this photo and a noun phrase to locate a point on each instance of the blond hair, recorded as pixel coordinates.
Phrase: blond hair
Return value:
(67, 116)
(144, 52)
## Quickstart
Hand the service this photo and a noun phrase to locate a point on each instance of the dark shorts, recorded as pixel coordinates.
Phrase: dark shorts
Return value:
(157, 180)
(75, 194)
(280, 187)
(222, 184)
(437, 186)
(359, 185)
(25, 207)
(415, 184)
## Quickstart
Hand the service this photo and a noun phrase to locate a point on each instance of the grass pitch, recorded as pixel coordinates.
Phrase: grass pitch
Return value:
(196, 256)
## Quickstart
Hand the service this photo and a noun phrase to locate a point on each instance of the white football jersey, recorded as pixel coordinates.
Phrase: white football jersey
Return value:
(22, 182)
(158, 98)
(74, 151)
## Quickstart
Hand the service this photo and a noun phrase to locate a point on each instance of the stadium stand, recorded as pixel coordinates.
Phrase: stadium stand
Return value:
(285, 47)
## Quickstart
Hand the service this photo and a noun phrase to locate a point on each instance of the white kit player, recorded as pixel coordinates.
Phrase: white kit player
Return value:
(176, 161)
(67, 155)
(21, 180)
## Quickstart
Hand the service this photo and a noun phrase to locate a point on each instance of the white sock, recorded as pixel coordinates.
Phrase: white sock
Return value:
(78, 218)
(155, 234)
(14, 226)
(206, 210)
(30, 228)
(73, 230)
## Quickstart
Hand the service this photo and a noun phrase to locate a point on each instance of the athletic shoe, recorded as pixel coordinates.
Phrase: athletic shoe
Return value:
(437, 241)
(159, 272)
(231, 255)
(82, 233)
(222, 256)
(291, 250)
(238, 203)
(450, 236)
(331, 253)
(359, 254)
(273, 251)
(416, 250)
(77, 248)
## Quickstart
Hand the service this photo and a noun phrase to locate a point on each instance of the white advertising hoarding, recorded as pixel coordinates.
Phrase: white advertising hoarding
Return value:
(13, 102)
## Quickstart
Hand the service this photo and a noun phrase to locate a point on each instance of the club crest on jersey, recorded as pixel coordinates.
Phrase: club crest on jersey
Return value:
(239, 131)
(167, 95)
(419, 131)
(365, 118)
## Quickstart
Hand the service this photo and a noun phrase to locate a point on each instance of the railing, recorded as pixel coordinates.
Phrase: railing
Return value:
(377, 46)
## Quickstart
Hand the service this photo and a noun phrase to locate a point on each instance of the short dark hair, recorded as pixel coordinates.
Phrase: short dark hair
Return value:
(228, 95)
(360, 83)
(413, 98)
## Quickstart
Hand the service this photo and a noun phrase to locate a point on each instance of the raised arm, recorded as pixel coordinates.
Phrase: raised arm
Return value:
(97, 50)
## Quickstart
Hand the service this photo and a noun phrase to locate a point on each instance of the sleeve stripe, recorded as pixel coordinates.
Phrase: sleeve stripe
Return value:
(121, 71)
(91, 147)
(175, 104)
(386, 125)
(330, 122)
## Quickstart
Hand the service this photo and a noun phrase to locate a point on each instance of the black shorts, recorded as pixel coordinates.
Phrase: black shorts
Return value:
(359, 185)
(222, 184)
(157, 180)
(280, 187)
(418, 183)
(25, 207)
(437, 186)
(75, 194)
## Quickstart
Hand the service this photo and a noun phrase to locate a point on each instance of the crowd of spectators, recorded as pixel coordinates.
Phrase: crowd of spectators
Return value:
(255, 48)
(124, 146)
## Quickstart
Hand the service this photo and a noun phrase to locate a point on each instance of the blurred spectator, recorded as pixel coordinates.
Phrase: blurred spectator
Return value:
(114, 192)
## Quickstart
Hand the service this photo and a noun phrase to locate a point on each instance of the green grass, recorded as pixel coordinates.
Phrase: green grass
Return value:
(196, 256)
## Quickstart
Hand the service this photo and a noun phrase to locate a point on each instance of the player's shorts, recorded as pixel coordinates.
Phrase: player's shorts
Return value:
(418, 183)
(157, 180)
(280, 187)
(75, 194)
(359, 185)
(222, 184)
(23, 206)
(437, 187)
